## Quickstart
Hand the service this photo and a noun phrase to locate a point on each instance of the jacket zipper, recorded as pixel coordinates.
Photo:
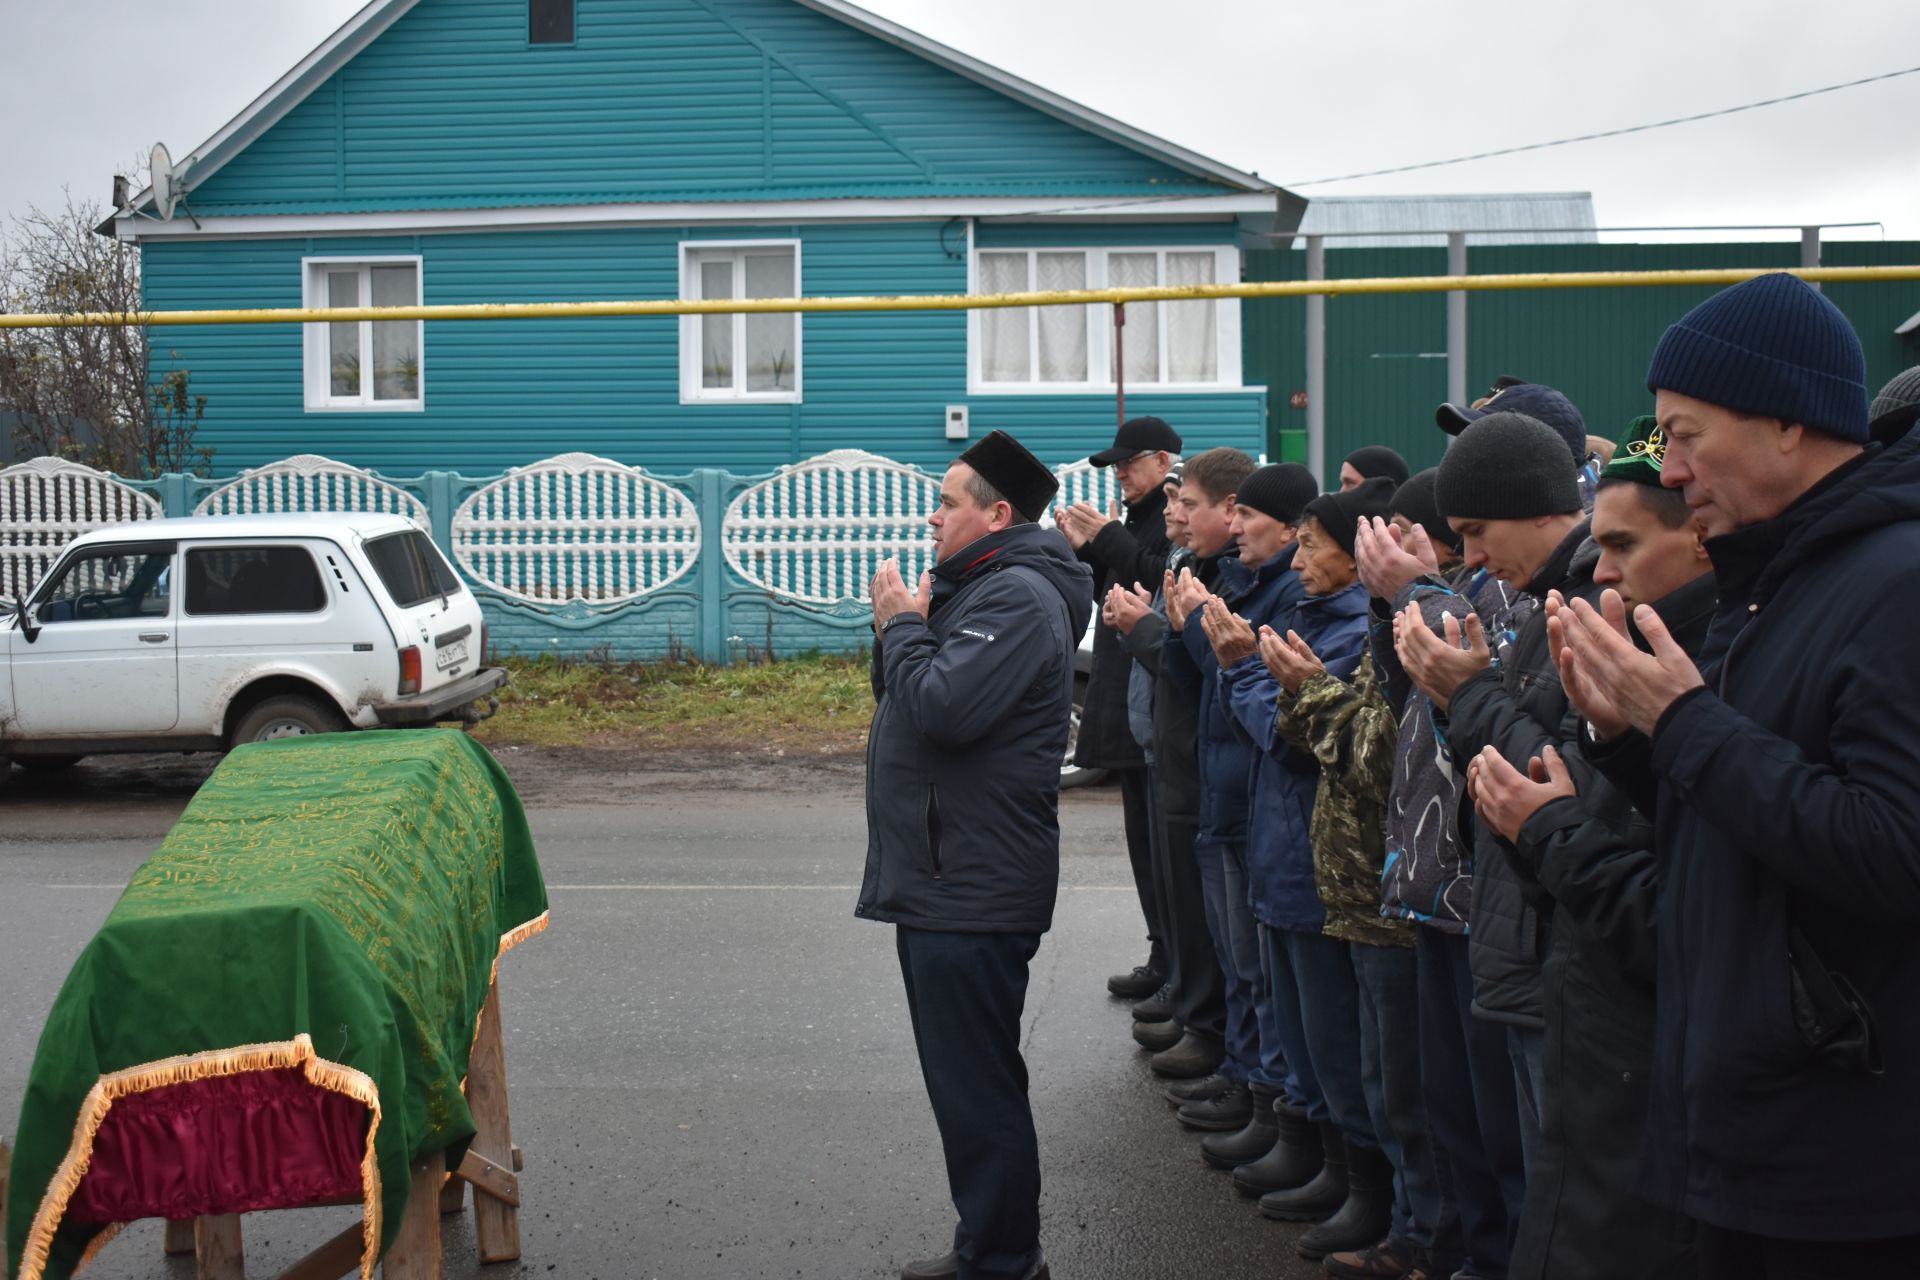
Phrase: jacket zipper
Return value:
(933, 828)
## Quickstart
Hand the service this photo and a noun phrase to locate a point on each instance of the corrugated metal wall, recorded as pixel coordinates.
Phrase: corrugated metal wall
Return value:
(1386, 354)
(506, 392)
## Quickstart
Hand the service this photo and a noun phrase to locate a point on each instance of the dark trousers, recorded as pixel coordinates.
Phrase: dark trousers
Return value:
(1199, 989)
(1467, 1081)
(1314, 1010)
(1243, 1034)
(1136, 807)
(1390, 1069)
(965, 992)
(1735, 1255)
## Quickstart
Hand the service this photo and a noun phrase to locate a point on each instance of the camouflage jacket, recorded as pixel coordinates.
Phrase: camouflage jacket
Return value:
(1352, 731)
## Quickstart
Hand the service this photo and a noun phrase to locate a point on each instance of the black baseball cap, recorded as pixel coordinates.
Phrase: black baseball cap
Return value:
(1536, 400)
(1135, 437)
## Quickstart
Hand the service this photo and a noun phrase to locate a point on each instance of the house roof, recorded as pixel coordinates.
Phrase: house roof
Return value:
(376, 17)
(1526, 217)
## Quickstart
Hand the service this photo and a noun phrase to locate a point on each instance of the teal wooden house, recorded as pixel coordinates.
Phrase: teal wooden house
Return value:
(455, 151)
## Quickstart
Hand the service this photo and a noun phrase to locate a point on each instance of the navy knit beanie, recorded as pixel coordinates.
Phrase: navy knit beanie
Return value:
(1506, 466)
(1773, 346)
(1340, 514)
(1281, 490)
(1416, 502)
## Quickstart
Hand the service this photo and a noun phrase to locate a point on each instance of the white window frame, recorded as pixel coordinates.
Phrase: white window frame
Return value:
(1100, 381)
(691, 389)
(317, 356)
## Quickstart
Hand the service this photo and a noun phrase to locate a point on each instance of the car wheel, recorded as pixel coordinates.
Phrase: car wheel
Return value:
(288, 715)
(1071, 774)
(47, 764)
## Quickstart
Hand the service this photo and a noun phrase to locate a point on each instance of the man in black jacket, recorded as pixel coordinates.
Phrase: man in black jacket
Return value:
(1505, 487)
(1122, 552)
(1783, 773)
(973, 673)
(1593, 852)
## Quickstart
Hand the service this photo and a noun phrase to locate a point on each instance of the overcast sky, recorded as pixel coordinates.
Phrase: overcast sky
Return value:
(1293, 90)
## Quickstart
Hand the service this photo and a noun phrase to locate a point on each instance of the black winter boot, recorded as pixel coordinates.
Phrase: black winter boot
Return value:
(1223, 1114)
(1201, 1090)
(1190, 1057)
(1368, 1212)
(1294, 1160)
(1138, 985)
(1325, 1194)
(1157, 1007)
(1157, 1035)
(1229, 1150)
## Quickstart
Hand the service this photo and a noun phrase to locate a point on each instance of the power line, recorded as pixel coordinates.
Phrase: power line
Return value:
(1609, 133)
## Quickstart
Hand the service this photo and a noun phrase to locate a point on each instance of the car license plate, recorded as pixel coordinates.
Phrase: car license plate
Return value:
(450, 655)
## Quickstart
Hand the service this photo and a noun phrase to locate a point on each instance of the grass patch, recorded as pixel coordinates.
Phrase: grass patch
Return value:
(818, 704)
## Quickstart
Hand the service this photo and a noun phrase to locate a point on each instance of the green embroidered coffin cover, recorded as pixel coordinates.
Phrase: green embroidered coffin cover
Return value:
(334, 905)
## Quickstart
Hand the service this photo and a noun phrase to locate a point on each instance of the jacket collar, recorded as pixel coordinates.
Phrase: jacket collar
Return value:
(1237, 580)
(1560, 565)
(1686, 611)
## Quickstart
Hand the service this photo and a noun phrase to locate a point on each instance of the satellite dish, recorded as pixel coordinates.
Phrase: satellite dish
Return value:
(165, 193)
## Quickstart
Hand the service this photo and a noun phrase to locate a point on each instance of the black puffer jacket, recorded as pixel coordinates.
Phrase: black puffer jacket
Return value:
(963, 758)
(1787, 1042)
(1518, 707)
(1126, 551)
(1594, 854)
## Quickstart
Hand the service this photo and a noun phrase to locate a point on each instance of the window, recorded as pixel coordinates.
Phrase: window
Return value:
(110, 582)
(549, 21)
(364, 364)
(1185, 345)
(411, 568)
(241, 580)
(740, 357)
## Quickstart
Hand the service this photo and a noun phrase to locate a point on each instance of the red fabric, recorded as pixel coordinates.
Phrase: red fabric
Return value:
(226, 1144)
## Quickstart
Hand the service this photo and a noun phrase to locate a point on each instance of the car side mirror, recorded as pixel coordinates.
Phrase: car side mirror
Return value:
(27, 628)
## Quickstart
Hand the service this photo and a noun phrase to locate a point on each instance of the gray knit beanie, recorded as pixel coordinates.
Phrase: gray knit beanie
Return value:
(1896, 408)
(1506, 466)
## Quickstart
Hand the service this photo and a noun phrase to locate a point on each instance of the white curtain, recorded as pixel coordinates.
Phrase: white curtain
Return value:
(1063, 330)
(1192, 331)
(769, 338)
(1142, 337)
(343, 336)
(396, 343)
(1004, 330)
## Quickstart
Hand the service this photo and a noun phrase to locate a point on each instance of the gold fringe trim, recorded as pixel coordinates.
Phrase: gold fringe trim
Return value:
(110, 1088)
(508, 941)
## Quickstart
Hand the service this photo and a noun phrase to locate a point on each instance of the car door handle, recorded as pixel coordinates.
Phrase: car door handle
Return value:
(153, 637)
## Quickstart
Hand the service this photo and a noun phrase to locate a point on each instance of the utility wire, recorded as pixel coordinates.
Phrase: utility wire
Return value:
(1610, 133)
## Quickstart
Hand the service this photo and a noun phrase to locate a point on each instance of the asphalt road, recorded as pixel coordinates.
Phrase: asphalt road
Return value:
(711, 1069)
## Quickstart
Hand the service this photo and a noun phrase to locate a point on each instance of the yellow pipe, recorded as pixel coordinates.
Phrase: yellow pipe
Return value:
(955, 302)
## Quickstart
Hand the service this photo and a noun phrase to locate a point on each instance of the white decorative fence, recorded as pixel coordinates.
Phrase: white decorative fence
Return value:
(817, 531)
(310, 482)
(1084, 482)
(576, 528)
(46, 502)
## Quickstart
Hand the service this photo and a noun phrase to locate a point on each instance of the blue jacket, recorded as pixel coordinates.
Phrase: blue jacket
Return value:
(1261, 596)
(1280, 878)
(1786, 803)
(963, 759)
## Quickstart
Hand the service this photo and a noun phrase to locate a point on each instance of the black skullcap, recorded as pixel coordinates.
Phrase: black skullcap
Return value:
(1022, 479)
(1415, 501)
(1506, 466)
(1281, 490)
(1340, 514)
(1376, 460)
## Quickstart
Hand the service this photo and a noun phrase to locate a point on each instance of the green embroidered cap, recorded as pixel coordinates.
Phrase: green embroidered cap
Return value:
(1642, 453)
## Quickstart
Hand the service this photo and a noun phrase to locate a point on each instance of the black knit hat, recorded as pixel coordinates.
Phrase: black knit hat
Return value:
(1340, 514)
(1021, 478)
(1506, 466)
(1773, 346)
(1378, 460)
(1281, 490)
(1415, 501)
(1896, 408)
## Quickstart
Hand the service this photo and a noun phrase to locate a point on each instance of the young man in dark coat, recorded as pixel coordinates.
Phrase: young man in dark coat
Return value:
(1506, 488)
(1124, 551)
(1783, 775)
(1583, 1218)
(973, 673)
